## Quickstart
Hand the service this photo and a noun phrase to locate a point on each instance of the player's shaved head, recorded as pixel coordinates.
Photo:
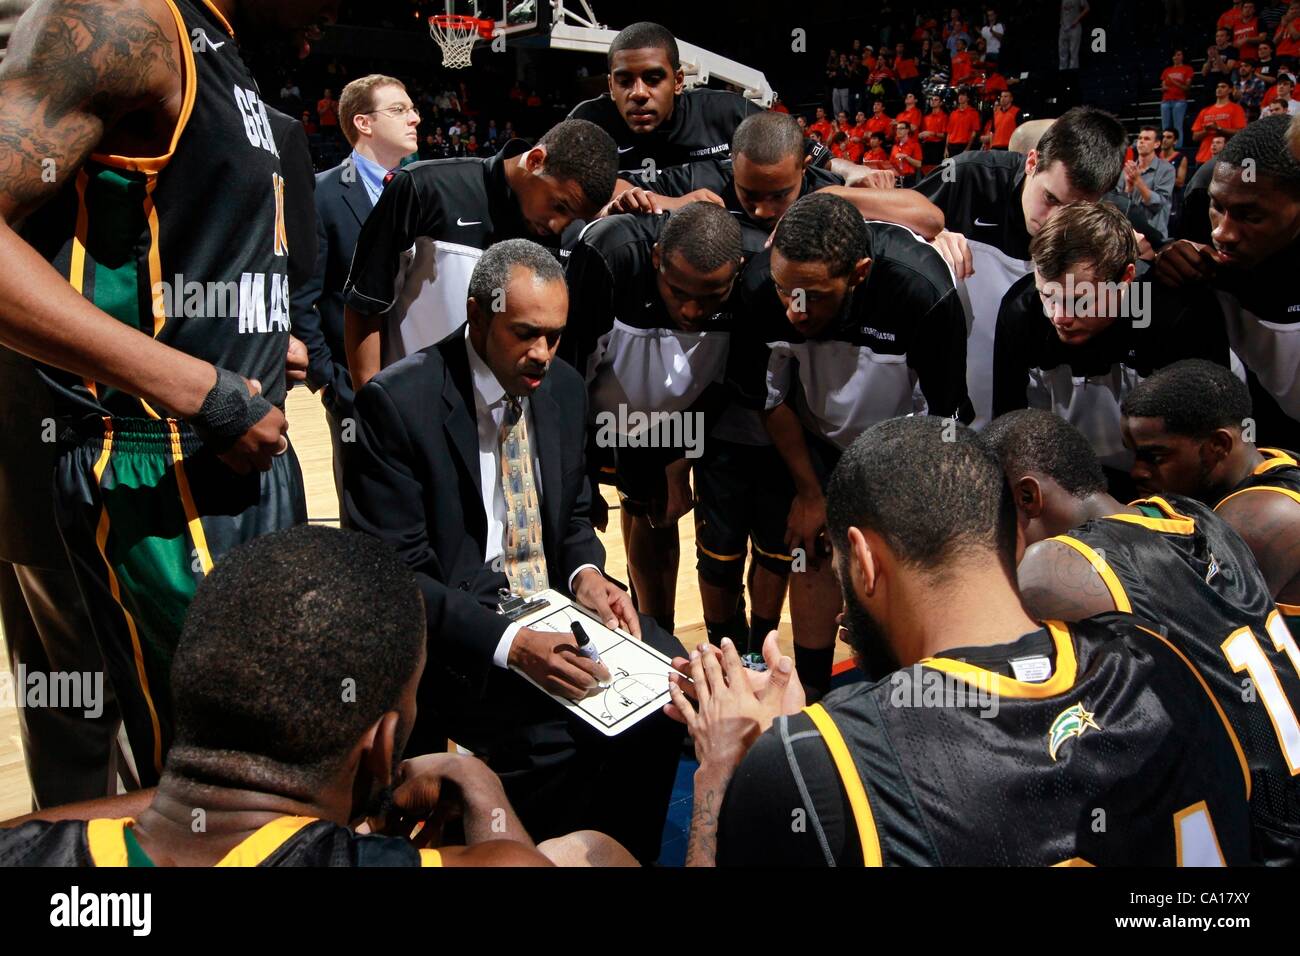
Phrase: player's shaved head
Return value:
(1193, 397)
(930, 488)
(1264, 144)
(705, 235)
(1033, 441)
(824, 228)
(581, 152)
(768, 138)
(294, 645)
(646, 35)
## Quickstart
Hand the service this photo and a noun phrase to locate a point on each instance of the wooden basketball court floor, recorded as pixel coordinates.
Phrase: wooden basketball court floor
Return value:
(311, 441)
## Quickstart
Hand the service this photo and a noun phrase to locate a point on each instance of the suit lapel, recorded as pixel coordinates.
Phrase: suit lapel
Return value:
(355, 197)
(458, 395)
(546, 418)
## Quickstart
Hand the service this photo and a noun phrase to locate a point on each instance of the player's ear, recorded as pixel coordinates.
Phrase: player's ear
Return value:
(860, 270)
(535, 159)
(1031, 161)
(383, 748)
(1130, 272)
(1029, 497)
(864, 568)
(655, 258)
(679, 81)
(1218, 446)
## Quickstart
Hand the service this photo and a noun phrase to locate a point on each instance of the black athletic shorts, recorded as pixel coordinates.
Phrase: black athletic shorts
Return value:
(742, 495)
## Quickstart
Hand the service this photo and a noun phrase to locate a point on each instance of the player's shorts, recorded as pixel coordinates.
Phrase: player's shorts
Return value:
(641, 478)
(145, 510)
(824, 457)
(742, 501)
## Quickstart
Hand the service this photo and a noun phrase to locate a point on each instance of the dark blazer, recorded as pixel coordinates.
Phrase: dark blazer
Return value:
(411, 478)
(342, 205)
(299, 184)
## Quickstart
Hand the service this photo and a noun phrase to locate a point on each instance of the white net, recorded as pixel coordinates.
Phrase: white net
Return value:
(456, 36)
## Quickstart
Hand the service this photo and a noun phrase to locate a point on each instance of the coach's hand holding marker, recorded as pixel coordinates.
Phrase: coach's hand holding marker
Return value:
(587, 647)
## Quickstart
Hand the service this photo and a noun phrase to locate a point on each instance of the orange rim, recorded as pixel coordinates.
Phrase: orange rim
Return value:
(461, 21)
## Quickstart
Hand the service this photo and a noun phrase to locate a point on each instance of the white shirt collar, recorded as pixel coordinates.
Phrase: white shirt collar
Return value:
(486, 387)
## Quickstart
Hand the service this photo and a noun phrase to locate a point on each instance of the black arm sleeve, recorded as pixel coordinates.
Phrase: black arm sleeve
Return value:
(591, 305)
(937, 352)
(403, 214)
(1010, 365)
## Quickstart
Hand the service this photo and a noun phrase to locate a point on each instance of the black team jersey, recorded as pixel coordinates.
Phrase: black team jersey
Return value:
(701, 127)
(1182, 566)
(901, 328)
(1279, 474)
(419, 245)
(287, 841)
(1262, 312)
(620, 334)
(716, 175)
(1116, 756)
(979, 194)
(189, 247)
(1084, 384)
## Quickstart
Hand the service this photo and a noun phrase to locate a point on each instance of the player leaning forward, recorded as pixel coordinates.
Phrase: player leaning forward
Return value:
(173, 440)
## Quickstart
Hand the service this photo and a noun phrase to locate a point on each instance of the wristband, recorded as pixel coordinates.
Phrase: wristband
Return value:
(228, 411)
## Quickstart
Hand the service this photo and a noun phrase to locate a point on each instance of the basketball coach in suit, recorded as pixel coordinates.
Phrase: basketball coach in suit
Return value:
(381, 124)
(469, 461)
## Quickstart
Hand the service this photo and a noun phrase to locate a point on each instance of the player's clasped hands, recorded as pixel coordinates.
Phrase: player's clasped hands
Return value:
(553, 660)
(730, 708)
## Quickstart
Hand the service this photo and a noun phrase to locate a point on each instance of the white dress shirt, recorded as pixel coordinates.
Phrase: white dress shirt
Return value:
(490, 402)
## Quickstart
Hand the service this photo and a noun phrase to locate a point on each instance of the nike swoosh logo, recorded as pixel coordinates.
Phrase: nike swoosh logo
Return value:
(462, 222)
(207, 40)
(626, 149)
(979, 222)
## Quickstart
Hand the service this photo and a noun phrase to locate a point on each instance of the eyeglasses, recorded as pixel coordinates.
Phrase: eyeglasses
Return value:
(397, 112)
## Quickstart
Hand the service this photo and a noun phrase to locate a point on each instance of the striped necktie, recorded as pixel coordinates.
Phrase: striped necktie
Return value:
(523, 553)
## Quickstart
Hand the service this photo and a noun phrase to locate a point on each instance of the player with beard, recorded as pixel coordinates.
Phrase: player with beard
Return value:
(1249, 266)
(1075, 717)
(1188, 426)
(139, 161)
(282, 766)
(1173, 561)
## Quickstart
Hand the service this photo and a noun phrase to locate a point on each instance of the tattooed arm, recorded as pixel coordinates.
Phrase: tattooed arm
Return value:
(1270, 525)
(702, 846)
(83, 76)
(1058, 583)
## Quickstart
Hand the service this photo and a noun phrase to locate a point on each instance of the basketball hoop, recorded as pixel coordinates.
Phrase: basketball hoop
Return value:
(456, 35)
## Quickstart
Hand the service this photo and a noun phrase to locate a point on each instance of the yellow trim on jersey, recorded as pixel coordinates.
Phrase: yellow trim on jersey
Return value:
(155, 260)
(1104, 571)
(255, 849)
(192, 518)
(1236, 744)
(852, 780)
(1074, 861)
(1288, 610)
(1273, 488)
(430, 858)
(1174, 522)
(718, 557)
(107, 841)
(1067, 669)
(1200, 806)
(1277, 458)
(115, 588)
(220, 16)
(154, 164)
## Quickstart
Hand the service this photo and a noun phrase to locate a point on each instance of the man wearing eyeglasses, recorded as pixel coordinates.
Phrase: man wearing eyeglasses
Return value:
(381, 125)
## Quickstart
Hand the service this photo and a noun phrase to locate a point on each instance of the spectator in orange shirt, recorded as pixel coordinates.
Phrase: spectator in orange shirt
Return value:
(963, 124)
(803, 125)
(1247, 33)
(1221, 116)
(997, 133)
(1287, 37)
(876, 155)
(933, 134)
(1228, 19)
(961, 64)
(860, 130)
(1283, 90)
(822, 127)
(327, 113)
(911, 115)
(1217, 142)
(1175, 80)
(868, 58)
(842, 147)
(779, 107)
(880, 121)
(909, 74)
(905, 156)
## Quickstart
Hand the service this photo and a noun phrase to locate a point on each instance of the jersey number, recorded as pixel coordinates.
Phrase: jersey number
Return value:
(1244, 653)
(281, 232)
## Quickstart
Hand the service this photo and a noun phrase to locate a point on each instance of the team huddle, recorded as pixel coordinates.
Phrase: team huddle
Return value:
(1032, 472)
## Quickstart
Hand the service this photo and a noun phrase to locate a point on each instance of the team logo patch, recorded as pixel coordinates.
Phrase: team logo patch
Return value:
(1213, 569)
(1071, 722)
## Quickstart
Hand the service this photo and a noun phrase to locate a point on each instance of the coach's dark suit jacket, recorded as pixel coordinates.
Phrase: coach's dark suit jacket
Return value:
(342, 205)
(411, 478)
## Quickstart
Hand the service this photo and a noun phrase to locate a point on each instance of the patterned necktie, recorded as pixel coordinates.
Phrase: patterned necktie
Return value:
(523, 554)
